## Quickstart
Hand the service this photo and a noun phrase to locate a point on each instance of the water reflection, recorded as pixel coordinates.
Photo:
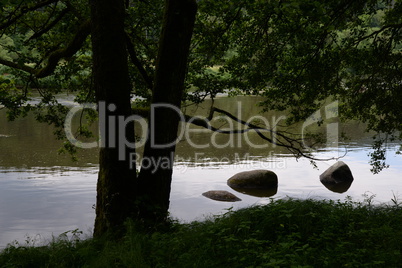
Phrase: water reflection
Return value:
(258, 192)
(25, 143)
(45, 193)
(43, 202)
(340, 187)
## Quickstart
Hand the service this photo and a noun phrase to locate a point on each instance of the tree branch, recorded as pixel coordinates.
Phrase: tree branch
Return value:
(75, 44)
(50, 25)
(17, 66)
(294, 146)
(24, 10)
(376, 33)
(137, 63)
(54, 57)
(74, 11)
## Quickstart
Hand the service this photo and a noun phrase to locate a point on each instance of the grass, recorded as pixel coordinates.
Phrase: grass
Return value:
(284, 233)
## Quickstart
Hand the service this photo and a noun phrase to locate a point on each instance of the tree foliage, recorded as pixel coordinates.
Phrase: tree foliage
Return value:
(297, 54)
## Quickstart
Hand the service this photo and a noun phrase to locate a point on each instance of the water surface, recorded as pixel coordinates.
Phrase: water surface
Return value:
(43, 194)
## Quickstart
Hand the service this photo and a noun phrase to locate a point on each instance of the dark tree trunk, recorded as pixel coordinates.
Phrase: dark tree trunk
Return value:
(156, 171)
(116, 181)
(118, 195)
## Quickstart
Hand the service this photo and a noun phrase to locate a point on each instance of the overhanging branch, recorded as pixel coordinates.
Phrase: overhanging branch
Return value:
(17, 66)
(293, 145)
(50, 25)
(12, 18)
(137, 63)
(75, 45)
(376, 33)
(54, 57)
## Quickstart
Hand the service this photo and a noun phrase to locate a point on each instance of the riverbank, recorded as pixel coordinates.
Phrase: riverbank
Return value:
(284, 233)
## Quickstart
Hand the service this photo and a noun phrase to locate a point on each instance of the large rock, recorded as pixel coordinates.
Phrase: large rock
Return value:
(221, 196)
(337, 178)
(254, 180)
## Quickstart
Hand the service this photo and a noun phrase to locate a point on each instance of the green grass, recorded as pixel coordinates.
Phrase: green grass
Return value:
(285, 233)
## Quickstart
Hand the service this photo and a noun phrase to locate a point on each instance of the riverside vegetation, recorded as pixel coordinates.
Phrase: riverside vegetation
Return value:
(284, 233)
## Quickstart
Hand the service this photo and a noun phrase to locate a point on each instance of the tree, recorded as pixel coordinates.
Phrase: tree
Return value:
(171, 67)
(119, 193)
(118, 188)
(276, 49)
(117, 180)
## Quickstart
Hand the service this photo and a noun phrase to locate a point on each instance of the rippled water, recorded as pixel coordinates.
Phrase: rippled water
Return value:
(44, 194)
(297, 179)
(43, 202)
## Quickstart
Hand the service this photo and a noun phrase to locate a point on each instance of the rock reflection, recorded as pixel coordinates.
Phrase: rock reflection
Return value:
(339, 187)
(268, 192)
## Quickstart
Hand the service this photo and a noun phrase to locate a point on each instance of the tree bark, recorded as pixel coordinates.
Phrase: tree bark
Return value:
(118, 195)
(157, 165)
(116, 179)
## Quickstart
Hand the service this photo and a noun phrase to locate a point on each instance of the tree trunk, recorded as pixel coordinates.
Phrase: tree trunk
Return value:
(116, 181)
(157, 165)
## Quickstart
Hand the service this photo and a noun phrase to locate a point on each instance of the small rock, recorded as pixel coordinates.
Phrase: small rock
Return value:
(221, 196)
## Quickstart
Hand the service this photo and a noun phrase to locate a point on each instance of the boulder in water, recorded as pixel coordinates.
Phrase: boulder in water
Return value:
(338, 172)
(221, 196)
(256, 179)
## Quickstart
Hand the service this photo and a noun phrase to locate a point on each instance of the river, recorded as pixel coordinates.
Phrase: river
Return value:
(43, 194)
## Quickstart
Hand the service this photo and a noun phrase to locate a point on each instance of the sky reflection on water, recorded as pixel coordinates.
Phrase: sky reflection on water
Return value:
(50, 201)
